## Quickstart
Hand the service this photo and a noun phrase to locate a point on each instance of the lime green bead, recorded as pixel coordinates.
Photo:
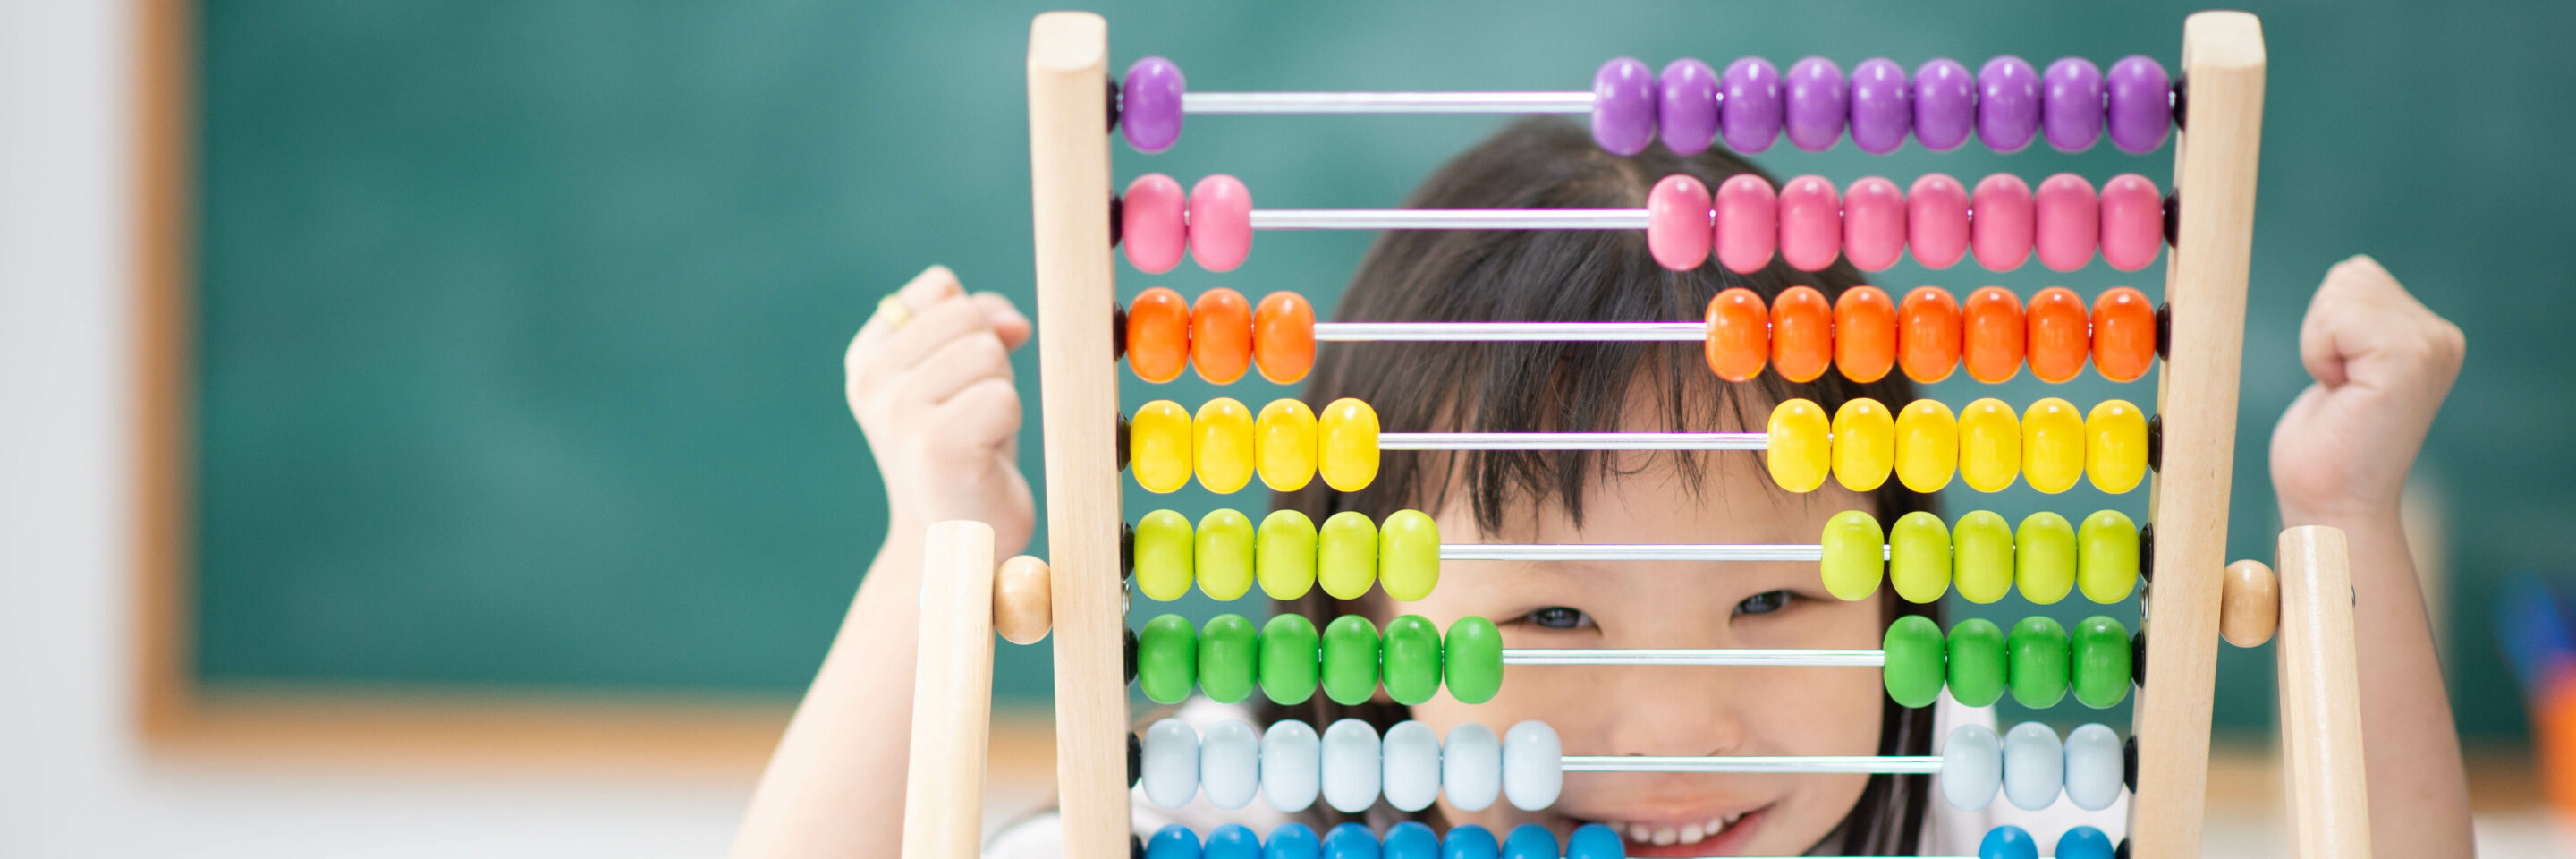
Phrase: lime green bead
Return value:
(1411, 659)
(2038, 655)
(2107, 569)
(1855, 555)
(1981, 548)
(1290, 658)
(1229, 657)
(1225, 550)
(1913, 669)
(1350, 660)
(2044, 558)
(1408, 555)
(1346, 555)
(1471, 660)
(1167, 659)
(1285, 555)
(1918, 561)
(1164, 556)
(2101, 661)
(1976, 653)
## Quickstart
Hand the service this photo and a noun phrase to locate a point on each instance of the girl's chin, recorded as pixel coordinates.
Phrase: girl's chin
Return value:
(1729, 841)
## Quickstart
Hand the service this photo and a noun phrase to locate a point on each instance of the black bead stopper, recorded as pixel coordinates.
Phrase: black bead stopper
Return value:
(2181, 99)
(2138, 656)
(1117, 219)
(1117, 353)
(1113, 104)
(1135, 759)
(2129, 763)
(2122, 851)
(1126, 545)
(2156, 443)
(1135, 844)
(2164, 331)
(1122, 466)
(1128, 648)
(2173, 218)
(2147, 552)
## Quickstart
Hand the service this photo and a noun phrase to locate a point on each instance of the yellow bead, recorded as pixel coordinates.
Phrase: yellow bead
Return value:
(1221, 443)
(1158, 446)
(2115, 450)
(1286, 434)
(1802, 449)
(2052, 445)
(1927, 446)
(1864, 444)
(1346, 441)
(1989, 445)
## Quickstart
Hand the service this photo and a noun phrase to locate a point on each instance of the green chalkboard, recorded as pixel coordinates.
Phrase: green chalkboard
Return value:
(519, 323)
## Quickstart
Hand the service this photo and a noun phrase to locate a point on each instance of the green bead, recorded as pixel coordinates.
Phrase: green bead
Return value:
(1167, 659)
(1913, 669)
(2101, 655)
(1976, 651)
(1225, 554)
(1163, 556)
(1229, 653)
(1346, 555)
(1408, 555)
(1981, 548)
(2044, 558)
(1855, 555)
(2038, 650)
(1412, 659)
(1286, 555)
(1350, 660)
(1290, 658)
(1471, 660)
(1918, 562)
(2108, 568)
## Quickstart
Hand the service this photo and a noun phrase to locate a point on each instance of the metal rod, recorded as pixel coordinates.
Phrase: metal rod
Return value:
(1573, 441)
(1356, 332)
(1630, 552)
(1899, 764)
(1700, 656)
(1386, 102)
(1448, 219)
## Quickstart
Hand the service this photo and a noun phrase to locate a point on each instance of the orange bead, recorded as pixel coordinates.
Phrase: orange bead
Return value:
(1221, 335)
(2059, 334)
(2124, 334)
(1283, 337)
(1865, 334)
(1158, 335)
(1991, 329)
(1739, 335)
(1802, 334)
(1927, 334)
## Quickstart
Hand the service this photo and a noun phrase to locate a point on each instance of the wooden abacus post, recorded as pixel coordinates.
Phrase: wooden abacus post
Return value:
(2215, 156)
(1078, 393)
(952, 695)
(2321, 698)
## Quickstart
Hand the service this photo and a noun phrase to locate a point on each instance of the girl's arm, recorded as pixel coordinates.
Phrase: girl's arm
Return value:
(2383, 363)
(935, 396)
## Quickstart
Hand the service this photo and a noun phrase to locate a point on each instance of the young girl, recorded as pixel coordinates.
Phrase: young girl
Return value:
(935, 395)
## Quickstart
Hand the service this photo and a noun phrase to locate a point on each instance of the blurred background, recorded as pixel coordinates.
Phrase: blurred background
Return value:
(424, 431)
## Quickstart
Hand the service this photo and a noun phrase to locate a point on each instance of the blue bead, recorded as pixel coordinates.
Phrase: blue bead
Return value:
(1173, 842)
(1470, 842)
(1595, 841)
(1350, 841)
(1529, 841)
(1233, 841)
(2083, 842)
(1411, 840)
(2008, 842)
(1292, 841)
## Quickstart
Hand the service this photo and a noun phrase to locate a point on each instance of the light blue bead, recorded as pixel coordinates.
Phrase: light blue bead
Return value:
(1595, 841)
(1533, 767)
(1230, 763)
(1471, 767)
(1350, 841)
(2034, 766)
(1173, 842)
(1350, 766)
(1171, 773)
(1529, 841)
(1233, 841)
(2008, 842)
(1411, 840)
(1411, 772)
(1292, 841)
(1289, 756)
(1470, 842)
(2093, 766)
(1972, 767)
(2083, 842)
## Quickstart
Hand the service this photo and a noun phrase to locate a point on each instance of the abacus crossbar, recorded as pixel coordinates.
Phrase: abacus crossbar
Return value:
(1491, 332)
(1448, 219)
(1573, 441)
(1386, 102)
(1633, 552)
(1895, 764)
(1855, 657)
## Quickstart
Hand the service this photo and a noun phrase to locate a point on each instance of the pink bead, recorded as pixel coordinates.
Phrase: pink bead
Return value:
(1153, 233)
(2133, 221)
(1677, 222)
(1748, 223)
(1811, 223)
(1873, 224)
(1220, 222)
(1999, 226)
(1936, 220)
(2069, 222)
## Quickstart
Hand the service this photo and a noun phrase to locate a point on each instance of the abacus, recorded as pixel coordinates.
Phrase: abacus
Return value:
(2187, 446)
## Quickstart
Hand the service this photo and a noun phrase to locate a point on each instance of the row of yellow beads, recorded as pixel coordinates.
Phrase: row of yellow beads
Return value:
(1225, 444)
(2051, 445)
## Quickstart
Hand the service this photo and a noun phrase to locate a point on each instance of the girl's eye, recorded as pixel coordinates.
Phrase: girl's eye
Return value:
(1765, 602)
(1558, 617)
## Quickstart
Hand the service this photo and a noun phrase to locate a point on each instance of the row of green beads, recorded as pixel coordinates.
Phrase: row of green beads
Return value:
(2037, 662)
(2046, 558)
(1288, 554)
(1288, 661)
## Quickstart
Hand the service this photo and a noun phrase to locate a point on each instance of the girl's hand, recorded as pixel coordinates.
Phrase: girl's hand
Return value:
(935, 396)
(2383, 363)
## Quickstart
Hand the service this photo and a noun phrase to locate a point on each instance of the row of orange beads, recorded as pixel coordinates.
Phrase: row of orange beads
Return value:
(1931, 334)
(1223, 336)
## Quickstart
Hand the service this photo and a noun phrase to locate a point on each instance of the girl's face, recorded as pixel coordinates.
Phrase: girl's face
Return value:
(1672, 710)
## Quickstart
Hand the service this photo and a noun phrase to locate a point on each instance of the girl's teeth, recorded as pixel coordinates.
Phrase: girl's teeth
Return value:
(1692, 834)
(1666, 836)
(1638, 832)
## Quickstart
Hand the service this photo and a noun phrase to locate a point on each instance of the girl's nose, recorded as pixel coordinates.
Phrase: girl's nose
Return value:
(1675, 710)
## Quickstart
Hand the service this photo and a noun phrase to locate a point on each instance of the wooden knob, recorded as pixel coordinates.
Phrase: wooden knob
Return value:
(1024, 602)
(2249, 604)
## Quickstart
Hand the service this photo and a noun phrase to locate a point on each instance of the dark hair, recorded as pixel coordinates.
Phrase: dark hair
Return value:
(1563, 275)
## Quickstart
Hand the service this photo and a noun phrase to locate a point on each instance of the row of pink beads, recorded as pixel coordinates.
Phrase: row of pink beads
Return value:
(1213, 223)
(1939, 220)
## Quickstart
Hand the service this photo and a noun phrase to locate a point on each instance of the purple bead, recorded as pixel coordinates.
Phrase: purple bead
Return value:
(1945, 104)
(2139, 111)
(1818, 101)
(1688, 112)
(2007, 103)
(1749, 108)
(1150, 108)
(1623, 106)
(2070, 107)
(1882, 106)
